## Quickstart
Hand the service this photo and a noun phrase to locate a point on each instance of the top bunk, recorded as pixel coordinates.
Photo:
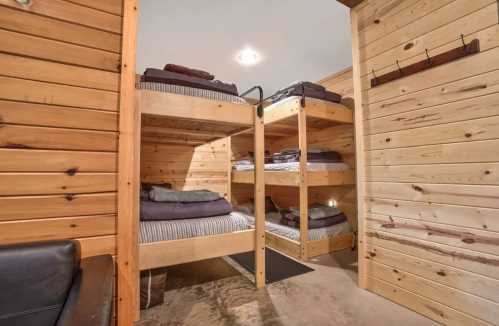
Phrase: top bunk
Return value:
(187, 115)
(323, 109)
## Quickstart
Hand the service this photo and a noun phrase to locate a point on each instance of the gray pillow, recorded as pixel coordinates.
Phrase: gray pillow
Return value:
(160, 194)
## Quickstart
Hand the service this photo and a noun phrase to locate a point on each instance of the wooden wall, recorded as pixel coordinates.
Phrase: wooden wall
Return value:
(186, 167)
(430, 187)
(59, 91)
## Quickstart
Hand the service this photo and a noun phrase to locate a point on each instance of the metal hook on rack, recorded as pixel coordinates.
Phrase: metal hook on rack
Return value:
(465, 46)
(375, 78)
(400, 69)
(428, 58)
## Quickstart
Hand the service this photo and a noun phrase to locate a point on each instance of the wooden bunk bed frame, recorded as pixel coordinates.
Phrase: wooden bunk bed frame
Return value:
(197, 116)
(308, 114)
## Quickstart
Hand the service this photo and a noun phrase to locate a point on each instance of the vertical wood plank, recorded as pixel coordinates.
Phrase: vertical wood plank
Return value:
(259, 143)
(128, 175)
(359, 149)
(303, 146)
(229, 169)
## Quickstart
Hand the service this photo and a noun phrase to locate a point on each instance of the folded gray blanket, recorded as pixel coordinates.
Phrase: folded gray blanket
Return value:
(156, 211)
(160, 194)
(317, 211)
(314, 224)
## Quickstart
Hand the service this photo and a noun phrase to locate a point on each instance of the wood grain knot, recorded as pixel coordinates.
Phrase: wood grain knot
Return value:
(372, 254)
(417, 188)
(69, 197)
(408, 46)
(16, 146)
(441, 273)
(468, 240)
(388, 140)
(468, 135)
(71, 171)
(73, 225)
(487, 172)
(377, 21)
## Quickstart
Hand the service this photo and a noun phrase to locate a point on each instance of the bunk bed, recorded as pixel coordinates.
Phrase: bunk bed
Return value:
(182, 115)
(309, 114)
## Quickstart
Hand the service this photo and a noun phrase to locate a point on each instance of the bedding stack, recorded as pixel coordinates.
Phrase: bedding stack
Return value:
(309, 90)
(319, 216)
(324, 221)
(167, 204)
(188, 77)
(167, 214)
(318, 159)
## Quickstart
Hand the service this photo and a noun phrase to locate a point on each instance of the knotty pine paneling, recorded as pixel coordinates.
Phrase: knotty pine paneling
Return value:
(429, 231)
(59, 90)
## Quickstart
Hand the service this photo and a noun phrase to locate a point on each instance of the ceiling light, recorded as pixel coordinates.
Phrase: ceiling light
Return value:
(248, 57)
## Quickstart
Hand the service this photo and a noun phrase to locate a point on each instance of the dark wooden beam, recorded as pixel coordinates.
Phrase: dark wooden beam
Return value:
(350, 3)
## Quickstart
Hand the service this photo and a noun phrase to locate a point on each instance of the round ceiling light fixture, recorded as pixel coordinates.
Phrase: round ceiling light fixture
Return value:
(248, 57)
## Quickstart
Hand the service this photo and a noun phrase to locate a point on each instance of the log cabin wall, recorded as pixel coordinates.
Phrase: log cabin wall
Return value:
(339, 138)
(187, 167)
(59, 99)
(430, 184)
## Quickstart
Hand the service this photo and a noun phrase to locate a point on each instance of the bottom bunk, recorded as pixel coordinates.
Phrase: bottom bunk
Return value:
(177, 227)
(174, 252)
(321, 241)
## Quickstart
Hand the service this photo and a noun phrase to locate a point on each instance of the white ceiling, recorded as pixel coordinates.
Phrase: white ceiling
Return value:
(298, 39)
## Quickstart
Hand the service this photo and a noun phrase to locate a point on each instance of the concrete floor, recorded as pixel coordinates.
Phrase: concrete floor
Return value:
(215, 293)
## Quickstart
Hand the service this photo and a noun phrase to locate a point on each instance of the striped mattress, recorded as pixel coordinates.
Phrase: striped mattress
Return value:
(295, 166)
(189, 91)
(272, 225)
(153, 231)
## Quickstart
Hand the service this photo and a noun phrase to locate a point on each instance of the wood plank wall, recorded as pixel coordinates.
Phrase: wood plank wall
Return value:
(59, 90)
(187, 167)
(432, 158)
(339, 138)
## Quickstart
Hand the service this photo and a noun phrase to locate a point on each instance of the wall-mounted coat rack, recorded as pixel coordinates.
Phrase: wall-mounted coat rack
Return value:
(430, 62)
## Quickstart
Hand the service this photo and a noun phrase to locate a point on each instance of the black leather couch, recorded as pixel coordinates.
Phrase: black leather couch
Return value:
(46, 284)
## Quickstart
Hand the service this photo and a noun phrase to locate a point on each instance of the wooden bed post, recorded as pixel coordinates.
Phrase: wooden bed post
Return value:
(302, 144)
(229, 169)
(259, 194)
(359, 150)
(128, 176)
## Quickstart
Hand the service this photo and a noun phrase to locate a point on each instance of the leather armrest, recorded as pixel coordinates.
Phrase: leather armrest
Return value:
(90, 299)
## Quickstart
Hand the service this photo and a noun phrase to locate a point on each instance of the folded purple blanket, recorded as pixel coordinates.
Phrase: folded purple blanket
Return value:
(156, 211)
(294, 221)
(168, 77)
(189, 71)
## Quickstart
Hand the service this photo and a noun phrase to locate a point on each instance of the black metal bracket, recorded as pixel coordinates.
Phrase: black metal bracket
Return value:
(302, 101)
(259, 105)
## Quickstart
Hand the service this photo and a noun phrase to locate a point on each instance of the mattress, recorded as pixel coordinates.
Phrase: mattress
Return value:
(295, 166)
(153, 231)
(272, 225)
(189, 91)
